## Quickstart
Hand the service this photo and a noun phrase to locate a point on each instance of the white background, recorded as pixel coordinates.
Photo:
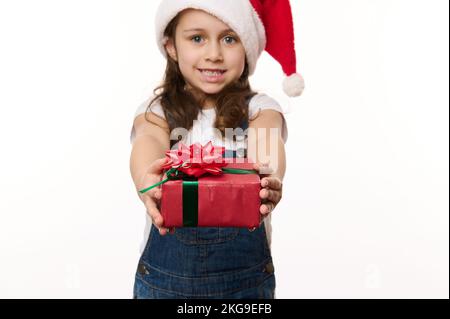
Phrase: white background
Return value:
(365, 203)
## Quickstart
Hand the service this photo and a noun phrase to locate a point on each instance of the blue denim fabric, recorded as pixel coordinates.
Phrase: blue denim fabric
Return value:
(206, 263)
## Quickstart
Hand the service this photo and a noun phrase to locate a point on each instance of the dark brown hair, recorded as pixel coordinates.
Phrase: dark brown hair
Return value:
(181, 107)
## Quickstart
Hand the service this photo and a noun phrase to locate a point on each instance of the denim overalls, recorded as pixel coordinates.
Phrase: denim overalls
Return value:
(206, 263)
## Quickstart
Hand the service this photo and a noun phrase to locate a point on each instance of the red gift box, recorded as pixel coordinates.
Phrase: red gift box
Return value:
(204, 189)
(223, 200)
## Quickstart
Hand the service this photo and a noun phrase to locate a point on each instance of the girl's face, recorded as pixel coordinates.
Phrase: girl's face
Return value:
(204, 43)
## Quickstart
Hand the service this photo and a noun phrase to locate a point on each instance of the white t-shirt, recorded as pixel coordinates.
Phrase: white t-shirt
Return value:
(202, 132)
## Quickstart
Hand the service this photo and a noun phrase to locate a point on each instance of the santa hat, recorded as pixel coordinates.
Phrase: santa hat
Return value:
(260, 24)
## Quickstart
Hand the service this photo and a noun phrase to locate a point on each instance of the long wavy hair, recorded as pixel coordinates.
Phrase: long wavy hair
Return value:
(181, 106)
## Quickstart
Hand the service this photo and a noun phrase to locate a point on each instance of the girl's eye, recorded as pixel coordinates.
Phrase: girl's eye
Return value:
(228, 38)
(195, 38)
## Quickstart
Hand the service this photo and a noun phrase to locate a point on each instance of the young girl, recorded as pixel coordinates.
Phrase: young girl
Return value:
(212, 47)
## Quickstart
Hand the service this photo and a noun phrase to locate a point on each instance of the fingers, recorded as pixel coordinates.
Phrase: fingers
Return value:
(270, 198)
(154, 195)
(266, 208)
(163, 231)
(152, 175)
(270, 195)
(152, 198)
(154, 213)
(156, 166)
(272, 182)
(263, 168)
(271, 192)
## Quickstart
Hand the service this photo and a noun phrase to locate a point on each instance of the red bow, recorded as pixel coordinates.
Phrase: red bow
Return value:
(196, 160)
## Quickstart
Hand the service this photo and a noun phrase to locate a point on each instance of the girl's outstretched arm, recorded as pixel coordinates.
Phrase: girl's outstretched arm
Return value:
(147, 158)
(265, 143)
(266, 148)
(150, 143)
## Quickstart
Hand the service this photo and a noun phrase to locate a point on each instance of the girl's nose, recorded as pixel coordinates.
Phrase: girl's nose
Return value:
(214, 52)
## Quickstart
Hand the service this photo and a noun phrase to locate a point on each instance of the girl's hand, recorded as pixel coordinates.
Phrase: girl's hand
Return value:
(271, 192)
(152, 198)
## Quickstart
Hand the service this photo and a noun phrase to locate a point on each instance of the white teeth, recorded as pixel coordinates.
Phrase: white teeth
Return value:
(209, 73)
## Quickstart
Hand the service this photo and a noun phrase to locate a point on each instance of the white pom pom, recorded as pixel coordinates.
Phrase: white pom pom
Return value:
(294, 85)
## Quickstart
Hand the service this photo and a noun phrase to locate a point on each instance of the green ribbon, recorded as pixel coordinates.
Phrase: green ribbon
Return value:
(190, 203)
(190, 191)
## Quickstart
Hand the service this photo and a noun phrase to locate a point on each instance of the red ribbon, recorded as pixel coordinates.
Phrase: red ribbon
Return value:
(196, 160)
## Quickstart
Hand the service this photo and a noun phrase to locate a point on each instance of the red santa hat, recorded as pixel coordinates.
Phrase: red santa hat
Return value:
(260, 24)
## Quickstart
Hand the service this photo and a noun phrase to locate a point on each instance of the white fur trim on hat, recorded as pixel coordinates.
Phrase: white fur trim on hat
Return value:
(238, 15)
(294, 85)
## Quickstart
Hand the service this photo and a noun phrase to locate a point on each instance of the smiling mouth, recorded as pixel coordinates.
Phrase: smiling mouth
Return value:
(212, 72)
